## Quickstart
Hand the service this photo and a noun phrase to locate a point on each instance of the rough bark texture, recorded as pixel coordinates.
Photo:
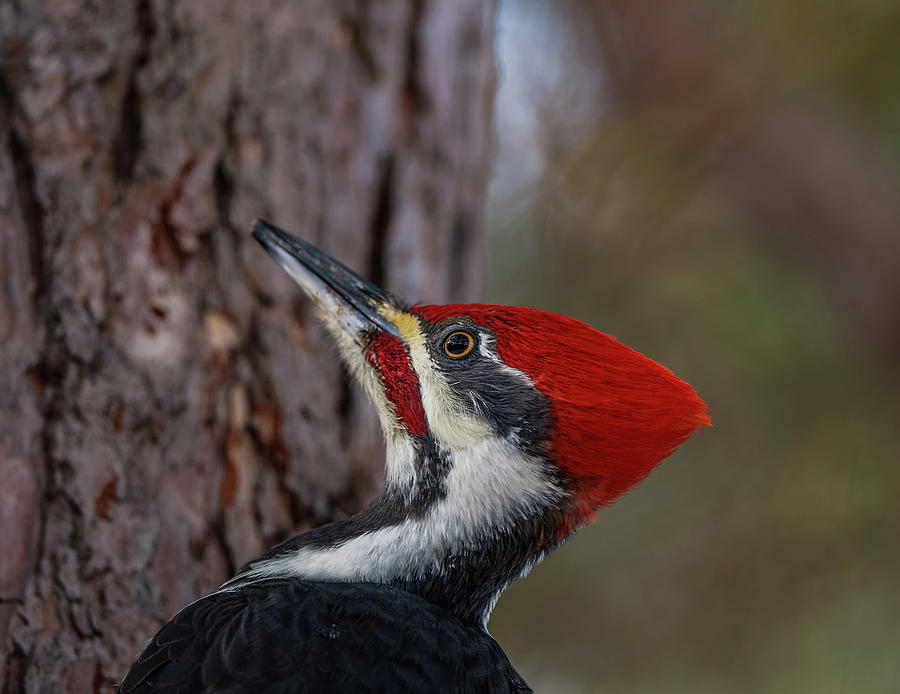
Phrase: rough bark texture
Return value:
(169, 405)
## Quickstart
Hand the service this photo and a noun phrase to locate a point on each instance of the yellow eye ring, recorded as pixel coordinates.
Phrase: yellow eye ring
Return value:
(458, 344)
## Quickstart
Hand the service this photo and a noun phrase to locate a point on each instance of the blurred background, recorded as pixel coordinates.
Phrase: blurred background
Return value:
(718, 185)
(715, 183)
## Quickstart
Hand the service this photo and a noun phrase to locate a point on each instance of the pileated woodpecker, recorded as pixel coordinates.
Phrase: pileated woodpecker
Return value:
(506, 429)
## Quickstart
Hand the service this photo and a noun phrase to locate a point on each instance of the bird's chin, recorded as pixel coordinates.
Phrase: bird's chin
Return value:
(355, 312)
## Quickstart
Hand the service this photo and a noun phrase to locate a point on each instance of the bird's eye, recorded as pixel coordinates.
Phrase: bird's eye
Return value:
(458, 344)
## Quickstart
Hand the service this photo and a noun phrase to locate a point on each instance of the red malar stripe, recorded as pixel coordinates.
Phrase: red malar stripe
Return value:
(390, 358)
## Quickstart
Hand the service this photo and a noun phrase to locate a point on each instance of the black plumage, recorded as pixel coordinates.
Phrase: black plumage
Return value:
(290, 635)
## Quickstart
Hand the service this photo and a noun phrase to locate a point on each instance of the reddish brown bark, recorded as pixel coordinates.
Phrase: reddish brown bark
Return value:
(169, 407)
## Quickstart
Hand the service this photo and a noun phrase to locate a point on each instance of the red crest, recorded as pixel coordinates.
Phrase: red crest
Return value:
(616, 414)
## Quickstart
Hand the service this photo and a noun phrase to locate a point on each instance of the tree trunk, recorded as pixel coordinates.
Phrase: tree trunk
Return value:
(170, 406)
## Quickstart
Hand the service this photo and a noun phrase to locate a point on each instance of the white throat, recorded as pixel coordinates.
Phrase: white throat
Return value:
(490, 488)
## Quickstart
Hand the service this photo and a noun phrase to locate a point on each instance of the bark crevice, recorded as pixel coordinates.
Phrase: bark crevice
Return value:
(127, 144)
(413, 92)
(381, 221)
(30, 206)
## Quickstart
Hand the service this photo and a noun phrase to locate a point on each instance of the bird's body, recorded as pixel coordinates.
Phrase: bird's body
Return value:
(290, 636)
(506, 429)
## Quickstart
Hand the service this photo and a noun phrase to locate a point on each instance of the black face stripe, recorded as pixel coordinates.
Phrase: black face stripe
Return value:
(513, 406)
(432, 467)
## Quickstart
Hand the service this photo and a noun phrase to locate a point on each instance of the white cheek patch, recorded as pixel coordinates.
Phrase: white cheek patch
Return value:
(493, 484)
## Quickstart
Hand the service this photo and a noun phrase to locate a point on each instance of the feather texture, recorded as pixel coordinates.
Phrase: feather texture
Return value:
(293, 636)
(615, 413)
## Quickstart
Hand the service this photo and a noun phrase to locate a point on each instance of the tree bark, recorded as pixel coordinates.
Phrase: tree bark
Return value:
(170, 407)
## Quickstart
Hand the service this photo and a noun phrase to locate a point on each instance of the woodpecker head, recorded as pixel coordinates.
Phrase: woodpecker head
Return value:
(506, 427)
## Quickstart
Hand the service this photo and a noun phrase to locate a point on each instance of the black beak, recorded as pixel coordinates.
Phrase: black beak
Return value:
(353, 301)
